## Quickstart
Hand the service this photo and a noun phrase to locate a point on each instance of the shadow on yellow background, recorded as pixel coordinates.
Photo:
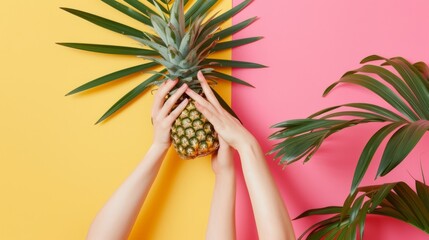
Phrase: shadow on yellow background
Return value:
(57, 168)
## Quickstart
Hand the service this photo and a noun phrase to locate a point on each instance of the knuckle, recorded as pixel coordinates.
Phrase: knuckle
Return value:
(169, 101)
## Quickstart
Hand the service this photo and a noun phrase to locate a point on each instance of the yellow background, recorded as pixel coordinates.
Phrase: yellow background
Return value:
(57, 168)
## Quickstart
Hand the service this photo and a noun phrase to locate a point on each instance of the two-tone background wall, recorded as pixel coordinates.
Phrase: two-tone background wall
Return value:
(57, 168)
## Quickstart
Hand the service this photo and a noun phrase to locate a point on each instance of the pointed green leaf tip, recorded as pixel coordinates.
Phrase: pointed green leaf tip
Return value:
(112, 77)
(395, 200)
(105, 23)
(232, 63)
(403, 88)
(182, 41)
(110, 49)
(129, 97)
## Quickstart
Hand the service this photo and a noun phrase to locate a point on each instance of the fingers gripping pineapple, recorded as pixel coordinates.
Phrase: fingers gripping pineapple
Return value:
(181, 42)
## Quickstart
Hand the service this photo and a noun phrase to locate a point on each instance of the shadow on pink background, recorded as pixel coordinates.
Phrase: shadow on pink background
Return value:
(308, 45)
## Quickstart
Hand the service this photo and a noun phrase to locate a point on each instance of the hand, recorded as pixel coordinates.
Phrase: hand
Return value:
(162, 116)
(222, 161)
(228, 127)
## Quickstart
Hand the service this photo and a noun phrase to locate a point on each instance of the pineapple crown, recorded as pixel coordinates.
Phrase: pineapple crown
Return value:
(181, 41)
(182, 48)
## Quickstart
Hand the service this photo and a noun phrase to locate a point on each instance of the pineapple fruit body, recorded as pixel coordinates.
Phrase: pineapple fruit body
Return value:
(193, 135)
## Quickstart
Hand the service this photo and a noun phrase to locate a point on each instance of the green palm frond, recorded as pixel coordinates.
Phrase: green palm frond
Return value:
(406, 91)
(395, 200)
(183, 42)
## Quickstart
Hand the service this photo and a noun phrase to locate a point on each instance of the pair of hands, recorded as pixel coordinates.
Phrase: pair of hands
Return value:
(231, 131)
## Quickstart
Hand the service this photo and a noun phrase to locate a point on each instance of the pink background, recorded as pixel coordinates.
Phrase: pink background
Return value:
(308, 45)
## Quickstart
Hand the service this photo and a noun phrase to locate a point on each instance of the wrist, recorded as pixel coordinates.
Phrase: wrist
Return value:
(159, 148)
(225, 174)
(224, 171)
(248, 144)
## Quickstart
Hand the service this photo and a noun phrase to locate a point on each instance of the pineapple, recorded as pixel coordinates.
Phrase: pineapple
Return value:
(181, 42)
(192, 135)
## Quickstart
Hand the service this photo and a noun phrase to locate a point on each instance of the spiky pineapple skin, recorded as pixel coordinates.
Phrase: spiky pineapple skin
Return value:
(193, 135)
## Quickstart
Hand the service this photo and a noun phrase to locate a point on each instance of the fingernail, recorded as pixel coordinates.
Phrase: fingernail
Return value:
(200, 74)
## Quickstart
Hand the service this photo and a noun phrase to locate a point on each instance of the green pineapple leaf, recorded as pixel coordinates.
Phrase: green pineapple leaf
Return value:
(235, 43)
(159, 6)
(229, 78)
(192, 10)
(106, 23)
(233, 29)
(231, 63)
(113, 76)
(130, 96)
(128, 11)
(141, 7)
(228, 14)
(181, 41)
(109, 49)
(224, 104)
(205, 6)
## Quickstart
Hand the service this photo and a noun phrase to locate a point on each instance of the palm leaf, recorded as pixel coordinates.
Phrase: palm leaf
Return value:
(395, 200)
(414, 80)
(409, 97)
(423, 69)
(401, 144)
(423, 193)
(378, 88)
(364, 106)
(397, 83)
(369, 151)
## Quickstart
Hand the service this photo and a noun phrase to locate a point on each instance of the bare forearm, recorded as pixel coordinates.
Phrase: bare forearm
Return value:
(116, 218)
(222, 214)
(272, 218)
